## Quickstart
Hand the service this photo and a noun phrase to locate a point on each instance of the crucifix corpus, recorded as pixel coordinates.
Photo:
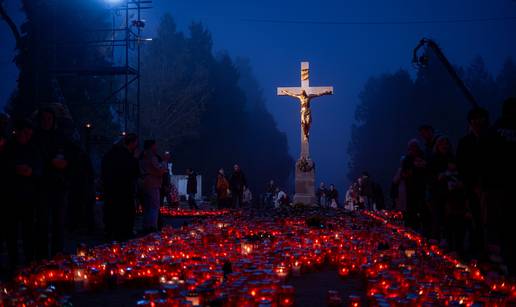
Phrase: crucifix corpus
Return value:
(305, 170)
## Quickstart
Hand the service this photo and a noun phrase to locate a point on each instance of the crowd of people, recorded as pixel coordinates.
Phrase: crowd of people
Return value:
(42, 171)
(463, 198)
(365, 193)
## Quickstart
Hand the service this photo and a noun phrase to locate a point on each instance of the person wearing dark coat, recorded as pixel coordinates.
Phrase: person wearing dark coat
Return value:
(332, 196)
(191, 188)
(24, 168)
(4, 179)
(238, 183)
(437, 188)
(505, 127)
(58, 154)
(119, 173)
(478, 161)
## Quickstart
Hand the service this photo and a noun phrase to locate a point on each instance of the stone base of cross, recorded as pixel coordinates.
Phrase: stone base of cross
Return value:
(305, 167)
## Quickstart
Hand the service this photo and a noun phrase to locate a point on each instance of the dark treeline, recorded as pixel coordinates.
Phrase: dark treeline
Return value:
(208, 110)
(204, 108)
(393, 106)
(53, 38)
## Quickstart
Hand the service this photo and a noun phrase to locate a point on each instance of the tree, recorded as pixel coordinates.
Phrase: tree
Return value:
(483, 86)
(393, 106)
(10, 23)
(383, 126)
(264, 141)
(506, 79)
(54, 36)
(194, 103)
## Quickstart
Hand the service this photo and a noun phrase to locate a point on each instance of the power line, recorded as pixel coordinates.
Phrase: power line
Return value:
(392, 22)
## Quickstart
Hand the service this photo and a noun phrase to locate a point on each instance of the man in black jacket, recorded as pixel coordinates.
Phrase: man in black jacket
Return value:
(23, 166)
(119, 174)
(238, 183)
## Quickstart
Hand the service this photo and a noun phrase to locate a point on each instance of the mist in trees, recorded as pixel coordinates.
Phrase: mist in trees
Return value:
(393, 106)
(208, 110)
(53, 38)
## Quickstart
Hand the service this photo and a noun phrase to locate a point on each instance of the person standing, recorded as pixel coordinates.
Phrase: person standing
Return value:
(505, 127)
(247, 197)
(166, 184)
(366, 191)
(428, 138)
(222, 189)
(478, 160)
(332, 197)
(152, 172)
(57, 153)
(437, 189)
(320, 194)
(191, 188)
(24, 169)
(269, 194)
(238, 183)
(410, 181)
(119, 172)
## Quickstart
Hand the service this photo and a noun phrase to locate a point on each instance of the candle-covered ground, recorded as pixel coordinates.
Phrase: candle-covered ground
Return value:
(251, 259)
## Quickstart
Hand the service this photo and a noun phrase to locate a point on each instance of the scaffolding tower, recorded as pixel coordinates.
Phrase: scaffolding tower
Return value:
(124, 39)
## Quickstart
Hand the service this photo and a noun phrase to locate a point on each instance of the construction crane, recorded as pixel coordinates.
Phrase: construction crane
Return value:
(421, 61)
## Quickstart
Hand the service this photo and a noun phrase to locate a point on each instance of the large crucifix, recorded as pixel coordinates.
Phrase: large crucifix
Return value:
(305, 167)
(305, 94)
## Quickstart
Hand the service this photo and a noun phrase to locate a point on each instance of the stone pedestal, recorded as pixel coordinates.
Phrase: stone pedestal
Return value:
(305, 184)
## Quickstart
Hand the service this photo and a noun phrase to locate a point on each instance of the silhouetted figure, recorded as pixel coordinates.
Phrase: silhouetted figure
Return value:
(321, 196)
(378, 196)
(332, 197)
(4, 179)
(222, 189)
(270, 192)
(437, 191)
(411, 184)
(455, 213)
(57, 153)
(238, 183)
(166, 184)
(506, 128)
(366, 191)
(82, 192)
(119, 174)
(152, 172)
(428, 138)
(478, 158)
(24, 168)
(191, 188)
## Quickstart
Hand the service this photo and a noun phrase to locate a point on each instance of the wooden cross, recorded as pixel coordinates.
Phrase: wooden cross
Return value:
(305, 85)
(305, 94)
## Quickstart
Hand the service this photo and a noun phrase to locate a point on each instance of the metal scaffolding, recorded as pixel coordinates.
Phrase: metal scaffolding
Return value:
(124, 40)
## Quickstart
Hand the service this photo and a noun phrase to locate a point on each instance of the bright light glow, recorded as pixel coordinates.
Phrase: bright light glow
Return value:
(114, 1)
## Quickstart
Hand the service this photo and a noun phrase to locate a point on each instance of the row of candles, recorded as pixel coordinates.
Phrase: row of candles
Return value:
(239, 260)
(177, 212)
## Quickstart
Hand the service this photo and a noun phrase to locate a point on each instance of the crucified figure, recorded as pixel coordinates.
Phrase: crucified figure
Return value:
(306, 113)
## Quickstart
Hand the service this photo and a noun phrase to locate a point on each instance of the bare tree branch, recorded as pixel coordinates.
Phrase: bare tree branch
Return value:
(10, 23)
